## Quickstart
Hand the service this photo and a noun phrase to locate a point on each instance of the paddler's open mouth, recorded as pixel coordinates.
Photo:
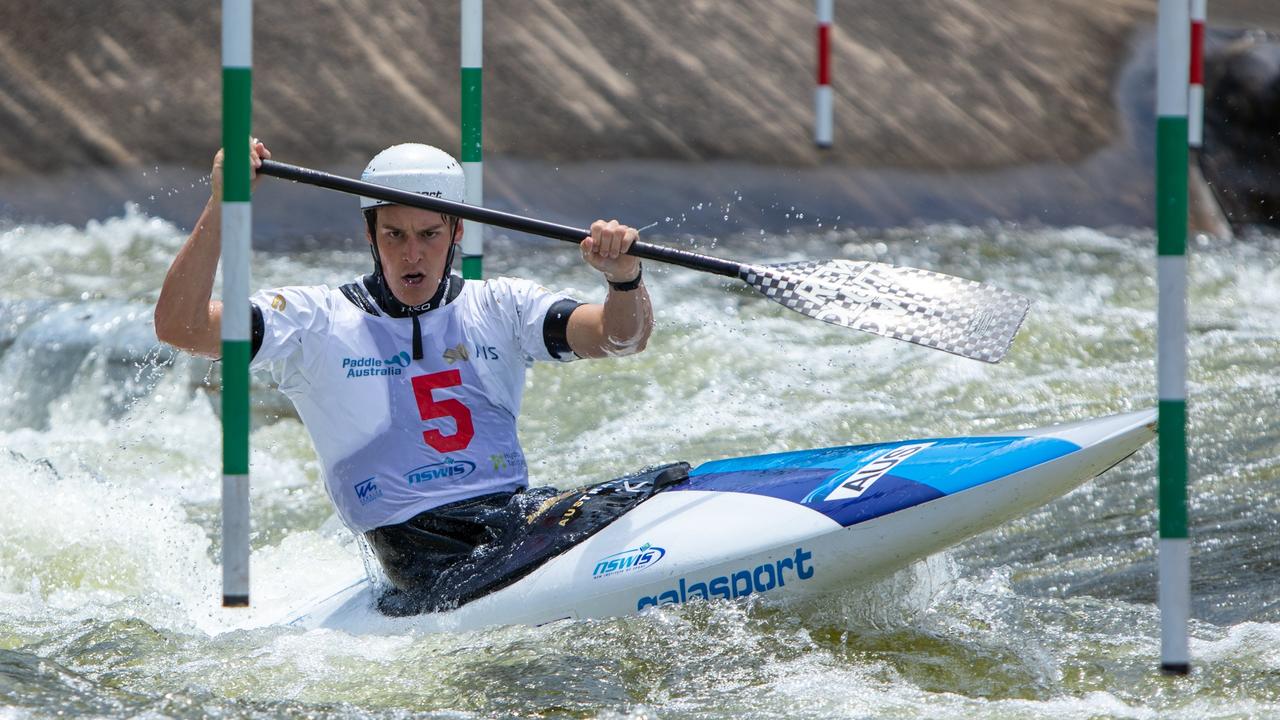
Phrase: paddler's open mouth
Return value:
(412, 279)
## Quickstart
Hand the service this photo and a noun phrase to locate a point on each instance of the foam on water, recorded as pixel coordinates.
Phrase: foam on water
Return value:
(121, 257)
(108, 552)
(76, 539)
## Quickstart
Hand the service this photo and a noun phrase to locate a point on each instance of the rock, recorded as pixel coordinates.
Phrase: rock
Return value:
(1241, 157)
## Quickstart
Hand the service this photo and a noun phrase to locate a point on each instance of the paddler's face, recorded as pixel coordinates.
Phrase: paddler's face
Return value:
(414, 245)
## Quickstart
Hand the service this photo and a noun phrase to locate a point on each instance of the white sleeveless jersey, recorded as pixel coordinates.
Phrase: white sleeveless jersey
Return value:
(397, 436)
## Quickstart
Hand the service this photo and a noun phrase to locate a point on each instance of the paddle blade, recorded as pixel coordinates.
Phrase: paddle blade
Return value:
(926, 308)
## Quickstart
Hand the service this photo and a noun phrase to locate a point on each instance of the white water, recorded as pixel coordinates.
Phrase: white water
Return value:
(108, 573)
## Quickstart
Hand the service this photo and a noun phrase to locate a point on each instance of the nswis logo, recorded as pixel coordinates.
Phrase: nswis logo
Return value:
(367, 491)
(628, 560)
(373, 367)
(447, 470)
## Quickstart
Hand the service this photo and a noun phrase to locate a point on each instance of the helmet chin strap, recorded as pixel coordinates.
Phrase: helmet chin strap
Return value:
(380, 289)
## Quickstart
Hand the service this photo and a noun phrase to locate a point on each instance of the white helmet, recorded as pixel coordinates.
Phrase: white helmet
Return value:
(417, 168)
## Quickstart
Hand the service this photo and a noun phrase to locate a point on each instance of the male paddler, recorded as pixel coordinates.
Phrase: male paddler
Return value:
(409, 380)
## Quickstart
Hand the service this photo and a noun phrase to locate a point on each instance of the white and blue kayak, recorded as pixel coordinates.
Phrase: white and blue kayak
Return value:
(780, 527)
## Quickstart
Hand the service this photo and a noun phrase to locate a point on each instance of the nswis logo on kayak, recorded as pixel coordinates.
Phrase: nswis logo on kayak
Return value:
(447, 470)
(628, 560)
(851, 484)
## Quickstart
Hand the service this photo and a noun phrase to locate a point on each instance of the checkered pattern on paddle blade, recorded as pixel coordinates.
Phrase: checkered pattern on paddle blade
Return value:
(922, 307)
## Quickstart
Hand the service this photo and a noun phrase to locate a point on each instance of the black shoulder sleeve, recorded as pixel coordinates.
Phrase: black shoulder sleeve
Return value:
(257, 331)
(358, 298)
(555, 328)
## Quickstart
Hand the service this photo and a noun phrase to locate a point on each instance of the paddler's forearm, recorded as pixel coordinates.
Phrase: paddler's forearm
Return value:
(628, 320)
(185, 316)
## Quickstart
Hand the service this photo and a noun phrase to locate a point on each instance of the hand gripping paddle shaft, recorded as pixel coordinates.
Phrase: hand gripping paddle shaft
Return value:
(922, 307)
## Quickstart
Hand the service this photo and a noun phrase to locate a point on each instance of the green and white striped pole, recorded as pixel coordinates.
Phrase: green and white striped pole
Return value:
(237, 224)
(472, 155)
(1174, 595)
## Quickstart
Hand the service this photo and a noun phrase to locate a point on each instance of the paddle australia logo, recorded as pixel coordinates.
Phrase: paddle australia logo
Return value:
(367, 491)
(446, 470)
(764, 577)
(628, 560)
(358, 367)
(851, 484)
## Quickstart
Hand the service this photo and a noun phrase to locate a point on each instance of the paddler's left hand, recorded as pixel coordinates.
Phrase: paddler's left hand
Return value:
(606, 250)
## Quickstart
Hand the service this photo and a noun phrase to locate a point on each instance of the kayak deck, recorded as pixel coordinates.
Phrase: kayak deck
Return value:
(783, 526)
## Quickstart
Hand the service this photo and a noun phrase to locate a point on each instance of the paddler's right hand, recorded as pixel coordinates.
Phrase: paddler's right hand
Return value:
(257, 153)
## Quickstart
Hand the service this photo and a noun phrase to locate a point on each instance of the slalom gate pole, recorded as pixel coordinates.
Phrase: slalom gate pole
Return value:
(1195, 92)
(823, 101)
(1174, 553)
(237, 227)
(472, 152)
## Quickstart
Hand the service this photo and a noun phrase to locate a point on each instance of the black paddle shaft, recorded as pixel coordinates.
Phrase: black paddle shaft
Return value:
(648, 251)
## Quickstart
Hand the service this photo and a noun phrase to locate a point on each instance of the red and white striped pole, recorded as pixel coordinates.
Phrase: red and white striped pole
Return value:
(1195, 91)
(822, 100)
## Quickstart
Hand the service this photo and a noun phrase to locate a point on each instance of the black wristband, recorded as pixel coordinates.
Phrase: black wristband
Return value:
(631, 284)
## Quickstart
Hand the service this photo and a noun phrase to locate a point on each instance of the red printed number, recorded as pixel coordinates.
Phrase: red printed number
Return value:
(430, 408)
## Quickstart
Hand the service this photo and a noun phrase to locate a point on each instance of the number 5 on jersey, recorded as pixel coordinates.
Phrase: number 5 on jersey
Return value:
(430, 408)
